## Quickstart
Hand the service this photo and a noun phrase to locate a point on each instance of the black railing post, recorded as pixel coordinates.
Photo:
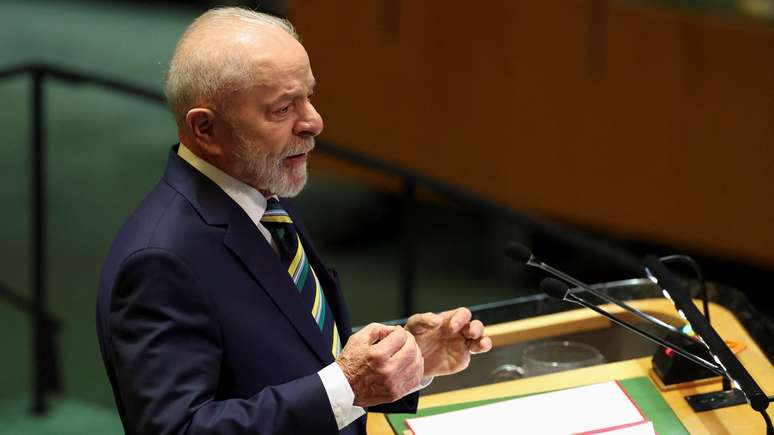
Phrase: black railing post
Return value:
(408, 247)
(38, 279)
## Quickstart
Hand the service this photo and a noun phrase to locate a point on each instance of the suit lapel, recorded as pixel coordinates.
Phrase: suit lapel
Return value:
(248, 245)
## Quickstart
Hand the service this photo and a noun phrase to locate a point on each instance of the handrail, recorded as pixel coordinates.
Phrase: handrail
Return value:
(77, 77)
(46, 371)
(24, 304)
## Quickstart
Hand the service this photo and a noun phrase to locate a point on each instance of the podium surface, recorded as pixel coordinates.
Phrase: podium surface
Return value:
(739, 419)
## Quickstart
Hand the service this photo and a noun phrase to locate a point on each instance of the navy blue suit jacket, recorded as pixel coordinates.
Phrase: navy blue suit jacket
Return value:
(200, 328)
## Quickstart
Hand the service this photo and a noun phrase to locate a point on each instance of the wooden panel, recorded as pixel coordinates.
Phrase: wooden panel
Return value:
(649, 123)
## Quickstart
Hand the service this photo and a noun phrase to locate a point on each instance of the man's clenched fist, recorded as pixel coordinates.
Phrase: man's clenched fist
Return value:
(382, 364)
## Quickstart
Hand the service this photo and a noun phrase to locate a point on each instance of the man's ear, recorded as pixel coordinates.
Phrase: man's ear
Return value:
(201, 124)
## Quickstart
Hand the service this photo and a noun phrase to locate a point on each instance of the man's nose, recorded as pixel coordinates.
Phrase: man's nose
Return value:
(310, 123)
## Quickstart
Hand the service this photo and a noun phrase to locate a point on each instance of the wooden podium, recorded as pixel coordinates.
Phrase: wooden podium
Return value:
(731, 420)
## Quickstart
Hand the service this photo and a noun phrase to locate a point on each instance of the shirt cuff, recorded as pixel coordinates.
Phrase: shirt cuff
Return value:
(422, 384)
(340, 395)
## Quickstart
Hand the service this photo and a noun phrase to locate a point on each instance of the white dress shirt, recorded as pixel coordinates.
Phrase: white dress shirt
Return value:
(340, 394)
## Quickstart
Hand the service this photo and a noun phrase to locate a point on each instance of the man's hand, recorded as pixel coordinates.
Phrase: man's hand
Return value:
(447, 340)
(382, 364)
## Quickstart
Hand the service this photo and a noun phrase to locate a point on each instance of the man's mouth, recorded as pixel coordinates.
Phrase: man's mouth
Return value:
(299, 157)
(296, 158)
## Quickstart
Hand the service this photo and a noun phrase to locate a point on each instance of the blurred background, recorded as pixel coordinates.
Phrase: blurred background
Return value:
(585, 129)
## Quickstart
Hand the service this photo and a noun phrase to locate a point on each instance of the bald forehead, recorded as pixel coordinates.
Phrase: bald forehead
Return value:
(264, 45)
(218, 33)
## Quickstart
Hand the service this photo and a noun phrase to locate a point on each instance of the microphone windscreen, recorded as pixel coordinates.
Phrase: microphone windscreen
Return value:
(555, 288)
(518, 252)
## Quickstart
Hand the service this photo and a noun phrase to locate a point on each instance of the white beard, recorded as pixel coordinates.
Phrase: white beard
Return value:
(267, 170)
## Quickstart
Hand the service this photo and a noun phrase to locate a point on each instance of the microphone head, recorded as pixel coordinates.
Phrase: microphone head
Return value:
(555, 288)
(518, 252)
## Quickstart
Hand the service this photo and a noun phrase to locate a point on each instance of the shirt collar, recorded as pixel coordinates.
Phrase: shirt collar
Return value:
(250, 200)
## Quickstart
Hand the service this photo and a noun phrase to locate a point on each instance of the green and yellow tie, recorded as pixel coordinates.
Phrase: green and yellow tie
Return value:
(293, 257)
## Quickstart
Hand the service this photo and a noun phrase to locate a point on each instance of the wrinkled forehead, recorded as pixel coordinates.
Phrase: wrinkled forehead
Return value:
(280, 72)
(279, 68)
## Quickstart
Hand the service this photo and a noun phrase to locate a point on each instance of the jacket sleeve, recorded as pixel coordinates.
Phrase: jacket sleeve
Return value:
(166, 353)
(404, 404)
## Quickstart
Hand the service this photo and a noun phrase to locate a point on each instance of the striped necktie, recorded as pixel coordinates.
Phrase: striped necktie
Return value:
(294, 259)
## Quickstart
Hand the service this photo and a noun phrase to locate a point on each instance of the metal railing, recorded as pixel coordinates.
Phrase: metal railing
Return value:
(44, 324)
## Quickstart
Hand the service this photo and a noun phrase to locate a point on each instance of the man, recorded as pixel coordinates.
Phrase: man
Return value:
(214, 313)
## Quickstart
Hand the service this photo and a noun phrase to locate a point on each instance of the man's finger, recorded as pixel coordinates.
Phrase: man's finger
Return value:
(387, 330)
(409, 346)
(373, 332)
(459, 318)
(392, 343)
(480, 346)
(409, 356)
(474, 330)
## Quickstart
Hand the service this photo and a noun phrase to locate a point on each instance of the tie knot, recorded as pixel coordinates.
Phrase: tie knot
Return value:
(275, 213)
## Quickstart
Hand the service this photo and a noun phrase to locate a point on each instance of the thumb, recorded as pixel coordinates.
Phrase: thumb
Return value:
(420, 323)
(373, 332)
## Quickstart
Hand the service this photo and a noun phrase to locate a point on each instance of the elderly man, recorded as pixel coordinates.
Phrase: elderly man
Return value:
(215, 314)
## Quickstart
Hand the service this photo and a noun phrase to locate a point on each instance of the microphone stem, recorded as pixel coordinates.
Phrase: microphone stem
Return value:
(700, 276)
(700, 361)
(603, 296)
(769, 427)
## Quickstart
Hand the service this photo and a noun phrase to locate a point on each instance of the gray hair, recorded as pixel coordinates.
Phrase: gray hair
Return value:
(198, 74)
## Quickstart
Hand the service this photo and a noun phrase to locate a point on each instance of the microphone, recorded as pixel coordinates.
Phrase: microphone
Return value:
(560, 290)
(677, 292)
(684, 259)
(555, 288)
(522, 254)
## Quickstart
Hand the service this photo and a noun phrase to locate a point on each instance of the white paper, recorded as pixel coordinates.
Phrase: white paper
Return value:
(644, 428)
(583, 409)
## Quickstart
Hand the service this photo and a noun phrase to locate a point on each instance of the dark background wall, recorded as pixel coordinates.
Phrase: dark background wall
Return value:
(632, 119)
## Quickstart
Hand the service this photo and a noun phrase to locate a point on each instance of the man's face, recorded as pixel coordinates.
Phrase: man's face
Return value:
(273, 123)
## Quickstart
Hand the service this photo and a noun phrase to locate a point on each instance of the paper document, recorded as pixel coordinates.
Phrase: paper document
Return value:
(644, 428)
(598, 408)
